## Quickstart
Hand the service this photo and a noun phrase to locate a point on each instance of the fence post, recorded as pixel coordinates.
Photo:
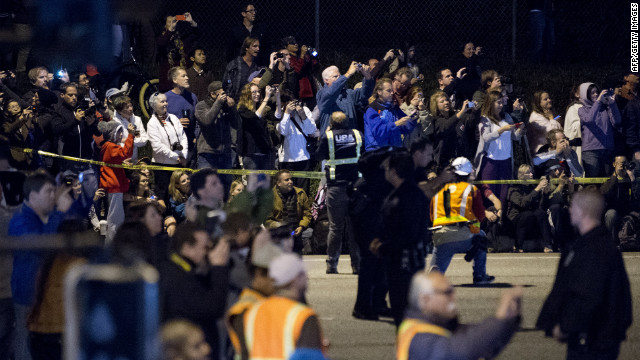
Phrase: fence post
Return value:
(513, 30)
(317, 37)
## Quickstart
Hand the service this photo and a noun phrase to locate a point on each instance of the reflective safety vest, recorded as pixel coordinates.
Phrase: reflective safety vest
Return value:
(248, 298)
(408, 329)
(453, 204)
(333, 162)
(272, 328)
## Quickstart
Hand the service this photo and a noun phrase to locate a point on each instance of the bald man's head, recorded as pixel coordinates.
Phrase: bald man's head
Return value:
(588, 203)
(433, 295)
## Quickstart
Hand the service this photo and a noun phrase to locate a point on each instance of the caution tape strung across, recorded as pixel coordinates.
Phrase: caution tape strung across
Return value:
(297, 174)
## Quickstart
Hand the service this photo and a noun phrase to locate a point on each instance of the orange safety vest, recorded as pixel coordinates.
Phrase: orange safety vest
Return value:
(460, 202)
(248, 297)
(272, 328)
(408, 329)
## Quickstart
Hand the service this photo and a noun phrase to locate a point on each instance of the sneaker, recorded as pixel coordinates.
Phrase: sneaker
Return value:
(332, 269)
(483, 280)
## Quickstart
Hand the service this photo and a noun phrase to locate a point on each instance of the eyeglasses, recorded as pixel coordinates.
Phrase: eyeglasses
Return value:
(255, 92)
(251, 11)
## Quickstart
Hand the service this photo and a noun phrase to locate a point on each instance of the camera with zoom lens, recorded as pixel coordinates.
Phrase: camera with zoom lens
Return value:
(279, 55)
(176, 146)
(629, 165)
(396, 52)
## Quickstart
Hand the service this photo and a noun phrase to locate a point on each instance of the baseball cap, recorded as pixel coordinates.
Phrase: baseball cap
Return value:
(284, 268)
(462, 166)
(113, 91)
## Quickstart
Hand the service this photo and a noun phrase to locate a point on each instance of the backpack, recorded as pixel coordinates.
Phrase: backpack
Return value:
(629, 232)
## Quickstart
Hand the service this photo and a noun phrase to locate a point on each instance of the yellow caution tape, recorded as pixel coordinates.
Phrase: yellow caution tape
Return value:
(296, 174)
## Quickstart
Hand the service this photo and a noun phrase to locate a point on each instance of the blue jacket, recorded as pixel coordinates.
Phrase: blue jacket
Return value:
(380, 129)
(27, 263)
(337, 98)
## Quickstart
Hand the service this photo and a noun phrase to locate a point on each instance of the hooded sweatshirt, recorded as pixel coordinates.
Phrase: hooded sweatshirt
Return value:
(597, 122)
(113, 179)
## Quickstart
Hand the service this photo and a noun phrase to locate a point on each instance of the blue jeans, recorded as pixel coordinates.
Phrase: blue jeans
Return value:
(21, 339)
(443, 253)
(217, 161)
(597, 163)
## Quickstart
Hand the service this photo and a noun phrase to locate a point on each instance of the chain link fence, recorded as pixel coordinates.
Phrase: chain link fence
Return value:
(588, 34)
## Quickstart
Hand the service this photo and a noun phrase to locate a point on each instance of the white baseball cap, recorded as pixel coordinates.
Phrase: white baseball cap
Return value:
(462, 166)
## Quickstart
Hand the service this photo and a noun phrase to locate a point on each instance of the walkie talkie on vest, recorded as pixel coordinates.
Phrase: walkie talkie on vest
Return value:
(447, 203)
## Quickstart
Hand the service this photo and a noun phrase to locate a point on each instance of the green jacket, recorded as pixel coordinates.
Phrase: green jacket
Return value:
(304, 210)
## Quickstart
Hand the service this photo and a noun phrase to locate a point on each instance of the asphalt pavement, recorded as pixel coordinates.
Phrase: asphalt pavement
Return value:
(333, 296)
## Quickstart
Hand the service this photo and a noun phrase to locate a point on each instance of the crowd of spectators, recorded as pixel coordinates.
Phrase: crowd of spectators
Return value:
(205, 232)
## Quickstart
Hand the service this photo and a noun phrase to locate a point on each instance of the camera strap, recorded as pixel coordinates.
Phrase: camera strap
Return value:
(168, 119)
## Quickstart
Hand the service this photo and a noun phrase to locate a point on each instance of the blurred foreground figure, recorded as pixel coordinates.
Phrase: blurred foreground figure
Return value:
(183, 340)
(430, 329)
(589, 306)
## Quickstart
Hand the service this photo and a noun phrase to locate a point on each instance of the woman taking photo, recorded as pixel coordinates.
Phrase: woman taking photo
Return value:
(18, 129)
(258, 150)
(297, 125)
(494, 158)
(168, 142)
(415, 101)
(541, 121)
(449, 136)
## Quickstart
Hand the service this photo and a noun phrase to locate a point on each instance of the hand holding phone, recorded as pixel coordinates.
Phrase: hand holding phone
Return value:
(181, 17)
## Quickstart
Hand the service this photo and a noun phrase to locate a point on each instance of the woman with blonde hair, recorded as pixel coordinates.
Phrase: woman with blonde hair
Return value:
(449, 136)
(258, 142)
(179, 191)
(237, 186)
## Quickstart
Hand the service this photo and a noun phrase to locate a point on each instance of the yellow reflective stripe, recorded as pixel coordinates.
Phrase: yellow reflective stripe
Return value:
(463, 200)
(176, 259)
(250, 327)
(342, 161)
(289, 341)
(408, 329)
(332, 154)
(449, 220)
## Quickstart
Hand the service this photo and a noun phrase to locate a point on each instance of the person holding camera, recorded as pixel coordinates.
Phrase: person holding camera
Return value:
(384, 122)
(258, 142)
(298, 130)
(494, 157)
(219, 129)
(333, 96)
(194, 280)
(598, 118)
(415, 101)
(620, 194)
(75, 127)
(450, 140)
(304, 60)
(168, 142)
(19, 129)
(125, 116)
(559, 148)
(113, 179)
(280, 73)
